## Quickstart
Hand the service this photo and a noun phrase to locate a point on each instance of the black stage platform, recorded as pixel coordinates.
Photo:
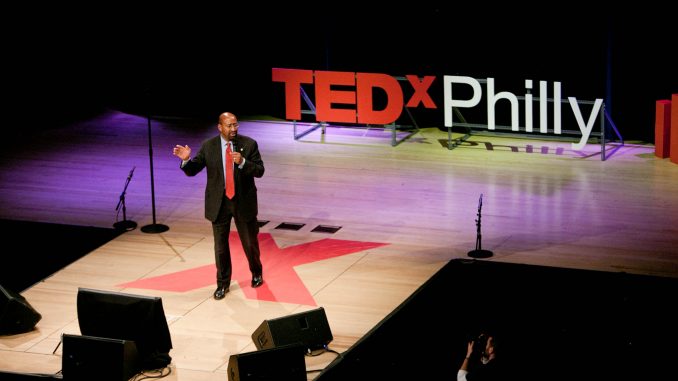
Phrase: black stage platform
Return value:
(553, 323)
(35, 250)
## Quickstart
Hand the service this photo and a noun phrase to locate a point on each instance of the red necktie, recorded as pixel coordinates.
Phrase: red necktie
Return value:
(230, 184)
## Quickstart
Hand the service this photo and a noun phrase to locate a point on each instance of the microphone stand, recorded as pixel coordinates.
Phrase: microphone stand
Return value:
(479, 252)
(125, 224)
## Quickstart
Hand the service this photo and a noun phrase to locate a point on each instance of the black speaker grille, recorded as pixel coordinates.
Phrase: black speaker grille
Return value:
(16, 314)
(285, 363)
(309, 329)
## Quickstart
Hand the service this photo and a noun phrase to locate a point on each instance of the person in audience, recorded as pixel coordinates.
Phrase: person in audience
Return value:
(480, 363)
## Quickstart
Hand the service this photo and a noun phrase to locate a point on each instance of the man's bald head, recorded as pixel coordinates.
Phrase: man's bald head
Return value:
(227, 117)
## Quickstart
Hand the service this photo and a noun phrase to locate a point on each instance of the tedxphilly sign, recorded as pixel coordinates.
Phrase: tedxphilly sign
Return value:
(357, 89)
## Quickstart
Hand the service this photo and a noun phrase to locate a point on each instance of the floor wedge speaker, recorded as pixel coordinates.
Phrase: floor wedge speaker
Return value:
(309, 329)
(284, 363)
(98, 358)
(16, 314)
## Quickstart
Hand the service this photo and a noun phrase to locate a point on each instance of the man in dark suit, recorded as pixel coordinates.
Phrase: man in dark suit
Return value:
(236, 157)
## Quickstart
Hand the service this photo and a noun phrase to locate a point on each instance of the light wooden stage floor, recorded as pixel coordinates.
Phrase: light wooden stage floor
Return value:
(547, 207)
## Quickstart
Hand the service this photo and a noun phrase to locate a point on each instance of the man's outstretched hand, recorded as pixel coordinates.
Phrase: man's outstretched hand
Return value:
(182, 152)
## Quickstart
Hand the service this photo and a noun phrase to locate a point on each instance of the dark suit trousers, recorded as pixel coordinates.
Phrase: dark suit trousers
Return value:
(247, 231)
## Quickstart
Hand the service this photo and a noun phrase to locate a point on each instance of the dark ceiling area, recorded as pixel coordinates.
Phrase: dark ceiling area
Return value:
(199, 62)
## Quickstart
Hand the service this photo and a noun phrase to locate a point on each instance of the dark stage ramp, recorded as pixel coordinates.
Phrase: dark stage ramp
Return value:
(554, 324)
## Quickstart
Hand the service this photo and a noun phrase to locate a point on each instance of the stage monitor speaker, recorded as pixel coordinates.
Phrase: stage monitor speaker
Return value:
(285, 363)
(98, 358)
(310, 329)
(16, 314)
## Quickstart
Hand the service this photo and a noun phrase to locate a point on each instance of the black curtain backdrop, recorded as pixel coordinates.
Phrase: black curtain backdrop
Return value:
(200, 62)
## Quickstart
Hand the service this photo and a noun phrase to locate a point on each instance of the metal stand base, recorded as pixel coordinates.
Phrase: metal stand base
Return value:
(480, 253)
(154, 228)
(125, 225)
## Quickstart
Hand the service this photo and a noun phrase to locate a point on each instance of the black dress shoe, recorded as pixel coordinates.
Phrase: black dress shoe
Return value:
(257, 281)
(220, 293)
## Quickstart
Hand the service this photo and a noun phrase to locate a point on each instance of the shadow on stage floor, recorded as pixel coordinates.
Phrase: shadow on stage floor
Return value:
(552, 323)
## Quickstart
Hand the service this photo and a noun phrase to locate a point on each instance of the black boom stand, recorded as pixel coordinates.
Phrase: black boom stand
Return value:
(479, 252)
(125, 224)
(154, 227)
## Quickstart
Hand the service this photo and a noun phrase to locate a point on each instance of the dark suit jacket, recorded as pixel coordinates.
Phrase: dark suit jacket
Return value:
(245, 190)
